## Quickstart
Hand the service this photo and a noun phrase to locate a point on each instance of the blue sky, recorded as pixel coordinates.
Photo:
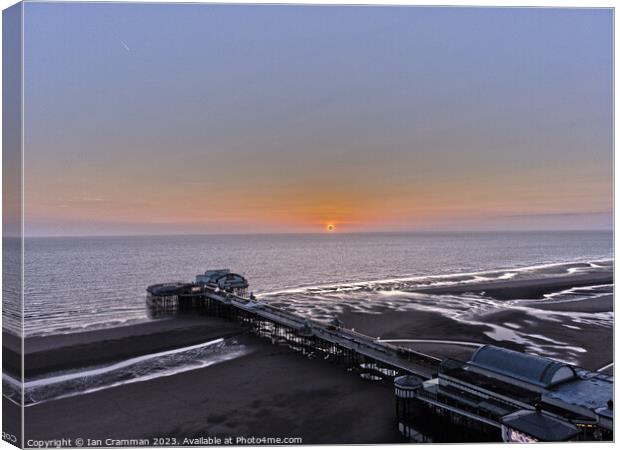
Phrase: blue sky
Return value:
(149, 118)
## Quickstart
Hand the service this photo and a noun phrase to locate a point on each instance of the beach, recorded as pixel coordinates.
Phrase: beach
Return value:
(515, 314)
(254, 388)
(269, 392)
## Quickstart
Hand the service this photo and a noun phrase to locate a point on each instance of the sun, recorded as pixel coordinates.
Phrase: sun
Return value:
(331, 227)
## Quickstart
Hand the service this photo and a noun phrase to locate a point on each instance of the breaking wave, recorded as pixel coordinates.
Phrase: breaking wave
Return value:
(133, 370)
(324, 302)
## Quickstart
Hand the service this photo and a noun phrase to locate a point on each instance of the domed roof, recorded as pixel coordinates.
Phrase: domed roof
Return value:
(231, 281)
(532, 369)
(223, 278)
(407, 382)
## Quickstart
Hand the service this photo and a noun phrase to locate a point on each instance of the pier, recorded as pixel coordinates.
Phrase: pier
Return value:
(499, 394)
(224, 294)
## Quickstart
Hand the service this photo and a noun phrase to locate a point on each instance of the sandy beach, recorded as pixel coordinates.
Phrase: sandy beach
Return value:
(62, 352)
(272, 391)
(525, 287)
(519, 317)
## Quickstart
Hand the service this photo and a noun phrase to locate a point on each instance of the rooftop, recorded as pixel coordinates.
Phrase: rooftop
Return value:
(407, 381)
(459, 370)
(170, 288)
(223, 278)
(532, 369)
(540, 426)
(591, 391)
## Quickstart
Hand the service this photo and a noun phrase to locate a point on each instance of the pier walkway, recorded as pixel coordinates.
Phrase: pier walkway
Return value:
(400, 359)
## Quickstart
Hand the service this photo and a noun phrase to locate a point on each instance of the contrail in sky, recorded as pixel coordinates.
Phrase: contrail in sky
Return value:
(124, 45)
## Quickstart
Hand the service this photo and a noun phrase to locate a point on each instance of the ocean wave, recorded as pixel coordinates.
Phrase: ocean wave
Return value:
(474, 309)
(451, 279)
(403, 294)
(578, 293)
(133, 370)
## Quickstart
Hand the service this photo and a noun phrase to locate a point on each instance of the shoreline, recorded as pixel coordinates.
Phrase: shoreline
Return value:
(523, 288)
(74, 350)
(518, 316)
(44, 354)
(283, 393)
(316, 400)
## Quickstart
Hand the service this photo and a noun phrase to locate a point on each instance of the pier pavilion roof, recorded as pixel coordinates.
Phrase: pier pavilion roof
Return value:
(592, 391)
(223, 278)
(174, 288)
(408, 381)
(531, 369)
(540, 426)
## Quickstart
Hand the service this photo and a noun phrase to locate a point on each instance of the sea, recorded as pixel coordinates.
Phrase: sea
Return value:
(76, 284)
(88, 283)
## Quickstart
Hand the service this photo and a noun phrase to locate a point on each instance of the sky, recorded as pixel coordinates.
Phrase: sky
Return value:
(164, 119)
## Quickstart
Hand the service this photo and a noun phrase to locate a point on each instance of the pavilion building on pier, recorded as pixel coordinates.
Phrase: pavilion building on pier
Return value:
(508, 395)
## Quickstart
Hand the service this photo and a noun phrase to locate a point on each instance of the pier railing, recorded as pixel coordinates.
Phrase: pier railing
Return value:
(400, 358)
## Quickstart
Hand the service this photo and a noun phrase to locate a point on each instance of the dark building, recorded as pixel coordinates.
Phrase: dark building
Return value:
(500, 394)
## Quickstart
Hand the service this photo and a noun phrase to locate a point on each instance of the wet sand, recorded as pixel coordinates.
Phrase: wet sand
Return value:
(420, 325)
(68, 351)
(534, 288)
(601, 304)
(272, 392)
(275, 392)
(549, 327)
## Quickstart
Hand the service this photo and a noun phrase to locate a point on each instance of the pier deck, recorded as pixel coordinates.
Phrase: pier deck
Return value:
(404, 360)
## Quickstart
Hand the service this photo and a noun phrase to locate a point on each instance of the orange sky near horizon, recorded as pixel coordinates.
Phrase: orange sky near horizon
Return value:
(243, 119)
(375, 205)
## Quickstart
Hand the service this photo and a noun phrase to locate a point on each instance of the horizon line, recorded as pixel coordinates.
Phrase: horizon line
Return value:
(300, 233)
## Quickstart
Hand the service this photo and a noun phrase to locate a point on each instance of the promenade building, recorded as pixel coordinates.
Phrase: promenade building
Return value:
(501, 394)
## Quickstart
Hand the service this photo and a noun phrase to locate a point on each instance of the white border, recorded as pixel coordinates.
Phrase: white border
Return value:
(481, 3)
